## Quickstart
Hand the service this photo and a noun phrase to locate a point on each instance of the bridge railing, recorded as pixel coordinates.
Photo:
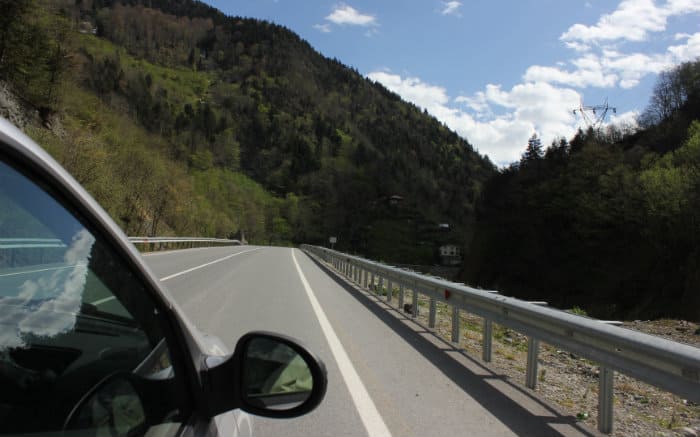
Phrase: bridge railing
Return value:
(669, 365)
(150, 244)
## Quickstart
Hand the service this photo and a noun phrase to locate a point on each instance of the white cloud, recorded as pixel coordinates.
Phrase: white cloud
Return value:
(451, 8)
(627, 121)
(592, 75)
(633, 20)
(412, 89)
(498, 121)
(347, 15)
(688, 51)
(529, 107)
(325, 28)
(47, 305)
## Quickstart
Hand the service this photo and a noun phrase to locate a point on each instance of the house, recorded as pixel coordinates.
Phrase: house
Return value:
(450, 255)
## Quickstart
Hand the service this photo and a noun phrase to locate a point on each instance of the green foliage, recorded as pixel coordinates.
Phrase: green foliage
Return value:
(578, 311)
(595, 227)
(172, 110)
(34, 46)
(261, 101)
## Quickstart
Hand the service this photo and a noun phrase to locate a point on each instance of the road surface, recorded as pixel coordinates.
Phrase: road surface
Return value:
(387, 375)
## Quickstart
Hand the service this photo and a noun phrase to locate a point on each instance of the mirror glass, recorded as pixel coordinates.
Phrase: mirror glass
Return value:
(274, 375)
(114, 409)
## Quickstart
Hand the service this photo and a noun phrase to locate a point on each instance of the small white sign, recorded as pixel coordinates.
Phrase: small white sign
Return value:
(333, 240)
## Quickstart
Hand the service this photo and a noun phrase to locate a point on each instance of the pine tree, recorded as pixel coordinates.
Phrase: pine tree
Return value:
(533, 151)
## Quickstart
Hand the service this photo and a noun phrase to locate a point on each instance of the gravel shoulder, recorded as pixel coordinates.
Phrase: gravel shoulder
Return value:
(570, 383)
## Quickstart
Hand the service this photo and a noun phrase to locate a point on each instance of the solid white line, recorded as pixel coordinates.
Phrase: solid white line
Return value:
(374, 424)
(175, 275)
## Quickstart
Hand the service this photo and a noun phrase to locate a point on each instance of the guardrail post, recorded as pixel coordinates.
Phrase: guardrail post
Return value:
(389, 290)
(455, 324)
(605, 400)
(432, 313)
(533, 346)
(487, 340)
(401, 297)
(415, 303)
(371, 281)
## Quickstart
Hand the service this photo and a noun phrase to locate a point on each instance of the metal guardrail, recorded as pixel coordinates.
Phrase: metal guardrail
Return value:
(166, 243)
(669, 365)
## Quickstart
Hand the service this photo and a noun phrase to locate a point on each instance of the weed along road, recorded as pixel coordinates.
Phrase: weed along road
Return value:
(387, 375)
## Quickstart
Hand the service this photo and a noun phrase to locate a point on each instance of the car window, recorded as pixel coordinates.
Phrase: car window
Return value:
(72, 315)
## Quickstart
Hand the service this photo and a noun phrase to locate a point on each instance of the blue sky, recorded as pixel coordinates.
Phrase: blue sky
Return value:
(497, 71)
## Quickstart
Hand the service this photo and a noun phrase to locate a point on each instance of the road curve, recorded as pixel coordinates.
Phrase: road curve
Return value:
(415, 383)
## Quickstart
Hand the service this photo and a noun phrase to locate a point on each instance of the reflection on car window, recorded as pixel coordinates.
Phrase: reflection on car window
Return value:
(71, 313)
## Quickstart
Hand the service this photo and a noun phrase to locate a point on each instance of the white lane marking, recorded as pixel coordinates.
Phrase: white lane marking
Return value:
(374, 424)
(37, 271)
(101, 301)
(175, 275)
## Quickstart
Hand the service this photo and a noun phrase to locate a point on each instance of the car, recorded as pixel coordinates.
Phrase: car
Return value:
(92, 344)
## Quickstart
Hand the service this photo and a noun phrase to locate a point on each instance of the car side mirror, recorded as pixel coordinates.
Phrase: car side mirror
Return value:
(268, 375)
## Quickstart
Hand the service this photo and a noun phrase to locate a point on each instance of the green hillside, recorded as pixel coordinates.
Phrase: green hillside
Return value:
(206, 103)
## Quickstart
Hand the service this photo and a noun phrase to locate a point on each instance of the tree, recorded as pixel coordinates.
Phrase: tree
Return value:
(533, 151)
(672, 90)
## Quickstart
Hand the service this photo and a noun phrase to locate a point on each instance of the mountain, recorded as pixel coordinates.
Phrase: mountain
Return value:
(231, 102)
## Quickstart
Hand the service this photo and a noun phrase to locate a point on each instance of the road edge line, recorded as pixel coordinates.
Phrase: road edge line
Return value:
(371, 419)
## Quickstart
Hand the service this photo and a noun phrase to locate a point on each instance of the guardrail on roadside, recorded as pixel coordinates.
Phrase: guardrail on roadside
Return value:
(666, 364)
(151, 244)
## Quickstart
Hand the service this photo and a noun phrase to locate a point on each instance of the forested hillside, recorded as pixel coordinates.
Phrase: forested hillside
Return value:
(606, 222)
(182, 120)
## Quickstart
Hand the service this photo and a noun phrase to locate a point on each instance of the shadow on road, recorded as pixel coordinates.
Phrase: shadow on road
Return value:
(516, 407)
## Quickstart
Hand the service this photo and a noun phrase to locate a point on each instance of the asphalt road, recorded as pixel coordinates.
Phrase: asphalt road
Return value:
(387, 374)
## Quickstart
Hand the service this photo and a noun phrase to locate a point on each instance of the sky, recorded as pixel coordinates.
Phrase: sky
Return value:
(498, 71)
